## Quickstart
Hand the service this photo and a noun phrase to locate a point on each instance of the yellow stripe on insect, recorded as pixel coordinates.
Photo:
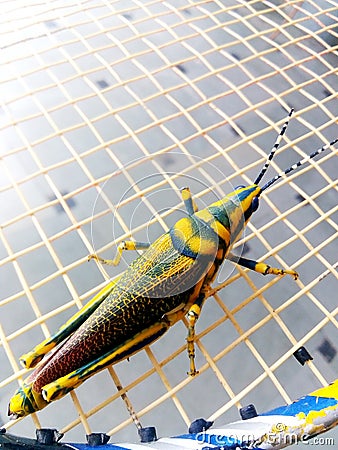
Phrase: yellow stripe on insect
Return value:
(192, 239)
(219, 229)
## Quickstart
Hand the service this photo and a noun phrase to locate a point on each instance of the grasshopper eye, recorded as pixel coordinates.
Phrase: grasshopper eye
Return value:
(255, 204)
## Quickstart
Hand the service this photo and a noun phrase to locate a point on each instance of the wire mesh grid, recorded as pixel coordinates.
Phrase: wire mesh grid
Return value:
(108, 109)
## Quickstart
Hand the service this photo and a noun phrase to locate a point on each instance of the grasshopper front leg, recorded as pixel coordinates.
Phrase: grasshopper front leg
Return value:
(260, 267)
(32, 358)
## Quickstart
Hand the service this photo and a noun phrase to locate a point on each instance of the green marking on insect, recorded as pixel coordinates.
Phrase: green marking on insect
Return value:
(169, 280)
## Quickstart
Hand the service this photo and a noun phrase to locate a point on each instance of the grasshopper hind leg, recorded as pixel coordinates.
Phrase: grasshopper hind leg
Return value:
(60, 387)
(32, 358)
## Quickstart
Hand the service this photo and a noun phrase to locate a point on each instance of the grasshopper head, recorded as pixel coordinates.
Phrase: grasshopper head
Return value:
(247, 198)
(235, 210)
(25, 401)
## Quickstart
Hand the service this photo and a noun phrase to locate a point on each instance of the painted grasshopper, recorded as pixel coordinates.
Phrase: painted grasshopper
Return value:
(167, 281)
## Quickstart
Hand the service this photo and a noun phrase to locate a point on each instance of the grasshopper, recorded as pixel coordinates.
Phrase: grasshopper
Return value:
(168, 280)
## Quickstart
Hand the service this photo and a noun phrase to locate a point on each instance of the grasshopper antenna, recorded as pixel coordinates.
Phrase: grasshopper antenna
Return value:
(298, 164)
(274, 148)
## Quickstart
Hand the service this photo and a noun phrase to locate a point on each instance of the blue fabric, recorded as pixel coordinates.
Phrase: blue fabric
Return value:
(305, 404)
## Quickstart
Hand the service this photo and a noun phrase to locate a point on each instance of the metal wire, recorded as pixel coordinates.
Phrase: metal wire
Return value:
(108, 109)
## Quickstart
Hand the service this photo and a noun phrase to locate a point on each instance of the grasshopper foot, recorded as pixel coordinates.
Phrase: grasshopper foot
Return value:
(109, 262)
(276, 271)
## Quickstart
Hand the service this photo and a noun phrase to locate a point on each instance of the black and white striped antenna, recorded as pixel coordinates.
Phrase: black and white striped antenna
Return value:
(298, 164)
(294, 166)
(274, 148)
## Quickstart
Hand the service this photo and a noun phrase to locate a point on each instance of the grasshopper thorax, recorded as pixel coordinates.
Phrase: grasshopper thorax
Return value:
(229, 215)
